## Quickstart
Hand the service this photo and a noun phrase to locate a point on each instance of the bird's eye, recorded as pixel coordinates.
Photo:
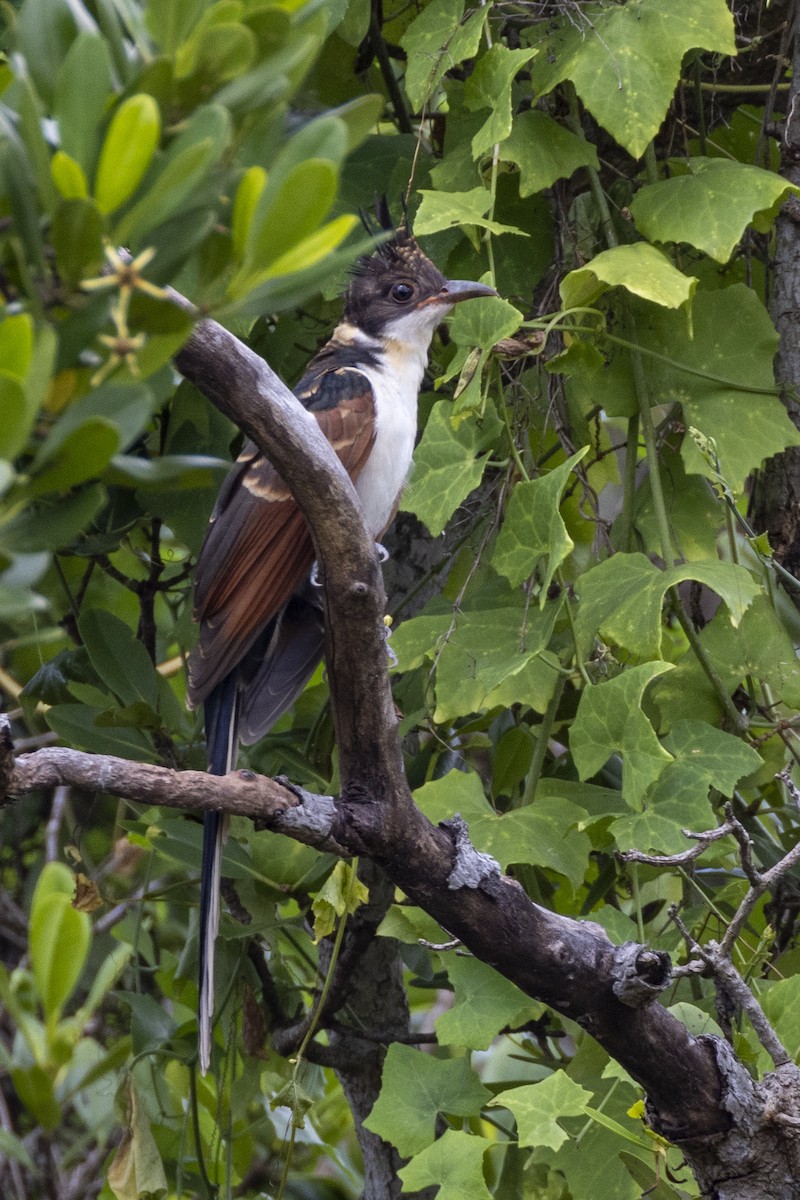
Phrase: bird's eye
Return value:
(402, 292)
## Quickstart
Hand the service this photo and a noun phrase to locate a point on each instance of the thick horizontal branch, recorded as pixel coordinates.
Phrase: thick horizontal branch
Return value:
(571, 965)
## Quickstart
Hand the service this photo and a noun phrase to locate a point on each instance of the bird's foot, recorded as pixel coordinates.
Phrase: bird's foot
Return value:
(387, 633)
(382, 552)
(315, 576)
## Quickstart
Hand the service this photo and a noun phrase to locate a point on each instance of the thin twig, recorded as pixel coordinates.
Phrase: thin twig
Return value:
(60, 800)
(14, 1168)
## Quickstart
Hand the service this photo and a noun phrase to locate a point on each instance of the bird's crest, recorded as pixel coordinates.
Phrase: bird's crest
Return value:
(393, 243)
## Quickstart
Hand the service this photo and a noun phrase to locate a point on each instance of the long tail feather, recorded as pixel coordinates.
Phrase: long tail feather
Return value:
(221, 713)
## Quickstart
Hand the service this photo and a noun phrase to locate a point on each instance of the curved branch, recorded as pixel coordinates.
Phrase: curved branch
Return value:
(570, 965)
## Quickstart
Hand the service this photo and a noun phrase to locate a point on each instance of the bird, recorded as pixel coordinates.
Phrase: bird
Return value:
(256, 597)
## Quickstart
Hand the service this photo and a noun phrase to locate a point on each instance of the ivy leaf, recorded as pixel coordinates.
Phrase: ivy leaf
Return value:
(496, 646)
(544, 151)
(781, 1003)
(622, 598)
(761, 647)
(449, 210)
(489, 86)
(625, 60)
(610, 720)
(436, 42)
(711, 207)
(448, 465)
(703, 757)
(331, 901)
(416, 1088)
(483, 322)
(455, 1162)
(547, 833)
(485, 1002)
(734, 339)
(538, 1107)
(534, 529)
(639, 268)
(708, 757)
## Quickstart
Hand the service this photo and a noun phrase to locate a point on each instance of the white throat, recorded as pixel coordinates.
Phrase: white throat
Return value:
(402, 352)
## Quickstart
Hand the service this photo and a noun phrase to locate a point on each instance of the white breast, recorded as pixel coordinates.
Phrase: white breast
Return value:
(395, 386)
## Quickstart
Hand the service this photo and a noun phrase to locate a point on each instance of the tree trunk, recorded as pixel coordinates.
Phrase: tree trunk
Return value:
(776, 501)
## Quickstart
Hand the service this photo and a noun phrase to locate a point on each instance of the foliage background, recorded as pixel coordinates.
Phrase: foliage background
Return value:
(606, 652)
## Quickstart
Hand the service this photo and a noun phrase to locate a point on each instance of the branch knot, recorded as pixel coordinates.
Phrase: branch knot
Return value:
(639, 974)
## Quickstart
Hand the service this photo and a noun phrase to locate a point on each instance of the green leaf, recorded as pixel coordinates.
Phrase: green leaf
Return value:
(703, 758)
(14, 1148)
(168, 193)
(360, 117)
(610, 720)
(625, 60)
(734, 340)
(435, 42)
(223, 52)
(19, 404)
(533, 528)
(151, 1025)
(639, 268)
(44, 33)
(59, 938)
(449, 210)
(539, 1107)
(127, 152)
(781, 1004)
(711, 207)
(544, 151)
(454, 1162)
(312, 249)
(547, 833)
(180, 471)
(68, 177)
(341, 893)
(483, 322)
(489, 86)
(17, 417)
(83, 454)
(16, 345)
(622, 598)
(76, 726)
(447, 466)
(250, 188)
(485, 1003)
(416, 1088)
(77, 238)
(282, 220)
(83, 88)
(760, 648)
(53, 524)
(34, 1087)
(127, 407)
(136, 1171)
(118, 657)
(493, 647)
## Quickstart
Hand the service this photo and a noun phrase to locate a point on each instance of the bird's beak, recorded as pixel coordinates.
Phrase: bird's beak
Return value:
(456, 290)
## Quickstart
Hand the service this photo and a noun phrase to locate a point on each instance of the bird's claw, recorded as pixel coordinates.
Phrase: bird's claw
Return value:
(382, 552)
(314, 577)
(387, 633)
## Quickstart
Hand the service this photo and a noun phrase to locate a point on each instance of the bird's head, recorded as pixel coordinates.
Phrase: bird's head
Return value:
(398, 293)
